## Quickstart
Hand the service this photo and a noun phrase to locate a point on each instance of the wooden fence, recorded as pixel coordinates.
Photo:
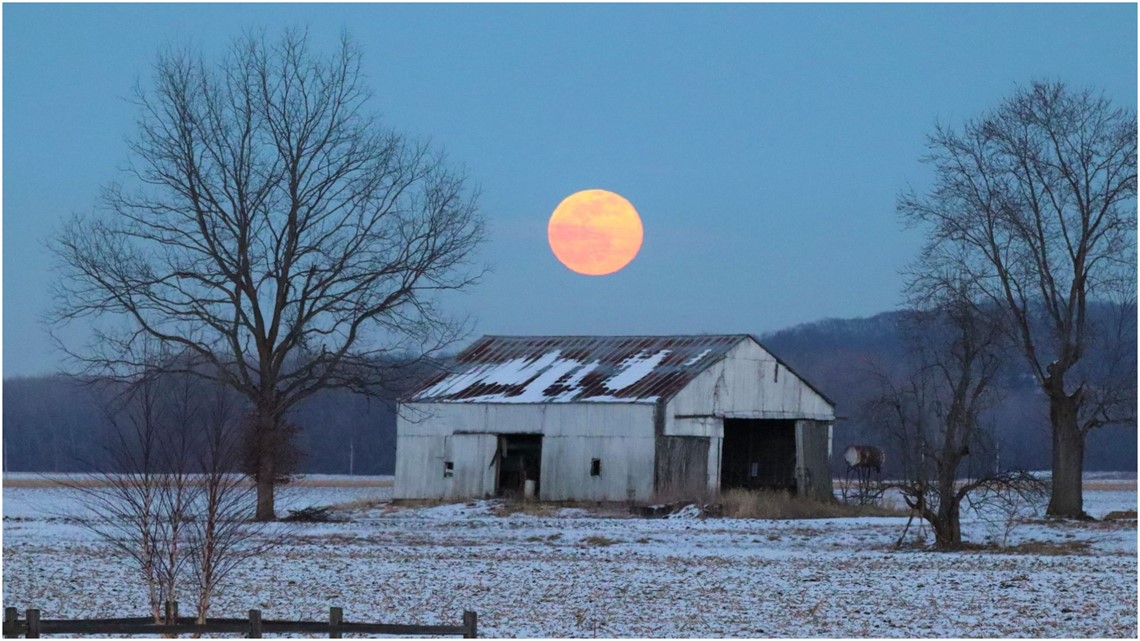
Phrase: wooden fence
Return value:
(32, 626)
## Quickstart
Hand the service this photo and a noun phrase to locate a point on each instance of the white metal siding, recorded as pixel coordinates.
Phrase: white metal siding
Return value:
(626, 468)
(571, 419)
(619, 434)
(475, 468)
(419, 467)
(745, 384)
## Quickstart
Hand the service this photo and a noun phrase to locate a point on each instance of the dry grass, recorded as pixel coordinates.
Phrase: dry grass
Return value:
(1120, 515)
(360, 504)
(53, 482)
(348, 481)
(1097, 485)
(1048, 548)
(418, 503)
(98, 480)
(525, 506)
(775, 504)
(1122, 485)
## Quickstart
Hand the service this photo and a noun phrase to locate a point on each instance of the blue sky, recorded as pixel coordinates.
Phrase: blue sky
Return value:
(763, 145)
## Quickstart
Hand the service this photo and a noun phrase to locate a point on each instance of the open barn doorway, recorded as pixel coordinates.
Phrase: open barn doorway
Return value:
(520, 460)
(758, 454)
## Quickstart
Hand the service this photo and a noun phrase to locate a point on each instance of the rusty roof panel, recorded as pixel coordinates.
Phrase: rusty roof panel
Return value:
(562, 369)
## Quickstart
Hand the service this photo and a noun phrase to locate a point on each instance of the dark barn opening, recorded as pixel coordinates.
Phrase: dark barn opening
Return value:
(520, 460)
(758, 454)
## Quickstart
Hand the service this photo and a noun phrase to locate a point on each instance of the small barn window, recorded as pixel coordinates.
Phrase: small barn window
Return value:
(448, 469)
(595, 467)
(776, 375)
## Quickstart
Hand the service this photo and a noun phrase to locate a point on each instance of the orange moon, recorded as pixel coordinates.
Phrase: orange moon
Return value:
(594, 232)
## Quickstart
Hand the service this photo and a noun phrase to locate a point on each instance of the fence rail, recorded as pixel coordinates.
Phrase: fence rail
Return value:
(253, 627)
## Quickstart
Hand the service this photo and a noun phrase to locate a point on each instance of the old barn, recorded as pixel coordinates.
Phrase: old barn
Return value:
(612, 418)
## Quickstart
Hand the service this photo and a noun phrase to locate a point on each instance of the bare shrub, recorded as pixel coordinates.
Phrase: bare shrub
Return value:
(599, 541)
(173, 504)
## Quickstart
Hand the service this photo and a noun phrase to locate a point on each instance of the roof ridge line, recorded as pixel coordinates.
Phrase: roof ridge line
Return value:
(734, 335)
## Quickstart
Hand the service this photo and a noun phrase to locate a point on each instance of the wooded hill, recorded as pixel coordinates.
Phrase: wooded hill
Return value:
(54, 424)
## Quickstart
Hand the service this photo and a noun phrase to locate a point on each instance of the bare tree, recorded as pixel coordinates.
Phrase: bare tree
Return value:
(933, 413)
(172, 501)
(221, 537)
(276, 238)
(141, 503)
(1036, 202)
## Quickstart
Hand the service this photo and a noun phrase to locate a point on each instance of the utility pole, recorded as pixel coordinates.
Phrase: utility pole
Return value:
(351, 454)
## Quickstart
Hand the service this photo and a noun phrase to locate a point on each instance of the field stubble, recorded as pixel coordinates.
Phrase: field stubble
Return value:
(570, 572)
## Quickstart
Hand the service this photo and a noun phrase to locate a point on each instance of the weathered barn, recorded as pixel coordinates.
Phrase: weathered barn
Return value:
(613, 418)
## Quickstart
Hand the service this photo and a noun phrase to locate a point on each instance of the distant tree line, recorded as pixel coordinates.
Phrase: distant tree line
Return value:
(53, 423)
(840, 356)
(60, 424)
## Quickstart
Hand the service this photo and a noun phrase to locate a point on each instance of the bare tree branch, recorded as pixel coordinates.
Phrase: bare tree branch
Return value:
(277, 238)
(1035, 202)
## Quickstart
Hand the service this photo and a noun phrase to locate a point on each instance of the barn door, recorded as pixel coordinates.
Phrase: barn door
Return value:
(520, 460)
(474, 465)
(682, 471)
(813, 468)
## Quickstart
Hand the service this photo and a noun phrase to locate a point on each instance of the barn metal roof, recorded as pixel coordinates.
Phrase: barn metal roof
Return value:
(565, 369)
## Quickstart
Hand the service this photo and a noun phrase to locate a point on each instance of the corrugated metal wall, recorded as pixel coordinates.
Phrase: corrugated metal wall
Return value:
(748, 383)
(812, 439)
(682, 467)
(620, 436)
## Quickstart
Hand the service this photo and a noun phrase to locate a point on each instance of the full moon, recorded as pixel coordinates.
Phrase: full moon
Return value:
(594, 232)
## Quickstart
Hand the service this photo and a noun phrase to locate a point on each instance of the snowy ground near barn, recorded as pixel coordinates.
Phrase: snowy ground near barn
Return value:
(575, 573)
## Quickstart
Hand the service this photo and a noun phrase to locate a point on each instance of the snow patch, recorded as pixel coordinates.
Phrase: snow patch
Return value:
(695, 359)
(634, 369)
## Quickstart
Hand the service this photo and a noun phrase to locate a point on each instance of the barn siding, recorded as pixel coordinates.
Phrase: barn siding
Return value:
(626, 468)
(619, 434)
(748, 383)
(812, 438)
(682, 467)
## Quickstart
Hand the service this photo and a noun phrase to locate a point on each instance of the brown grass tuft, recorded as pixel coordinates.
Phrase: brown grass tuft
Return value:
(779, 504)
(1110, 485)
(1048, 548)
(525, 506)
(100, 480)
(360, 504)
(1120, 515)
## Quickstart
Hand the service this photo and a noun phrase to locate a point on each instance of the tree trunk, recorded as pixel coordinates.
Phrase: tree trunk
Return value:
(1066, 499)
(265, 471)
(948, 522)
(266, 466)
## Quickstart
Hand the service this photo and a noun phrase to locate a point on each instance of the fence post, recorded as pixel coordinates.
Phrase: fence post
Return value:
(33, 616)
(11, 623)
(336, 616)
(171, 612)
(254, 625)
(470, 625)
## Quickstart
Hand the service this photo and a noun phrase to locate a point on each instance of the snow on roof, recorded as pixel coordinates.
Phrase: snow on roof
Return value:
(562, 369)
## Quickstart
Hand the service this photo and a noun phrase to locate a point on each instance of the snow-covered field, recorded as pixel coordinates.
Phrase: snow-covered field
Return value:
(573, 573)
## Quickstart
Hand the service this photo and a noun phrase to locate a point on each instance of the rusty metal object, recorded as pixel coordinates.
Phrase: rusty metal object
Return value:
(865, 456)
